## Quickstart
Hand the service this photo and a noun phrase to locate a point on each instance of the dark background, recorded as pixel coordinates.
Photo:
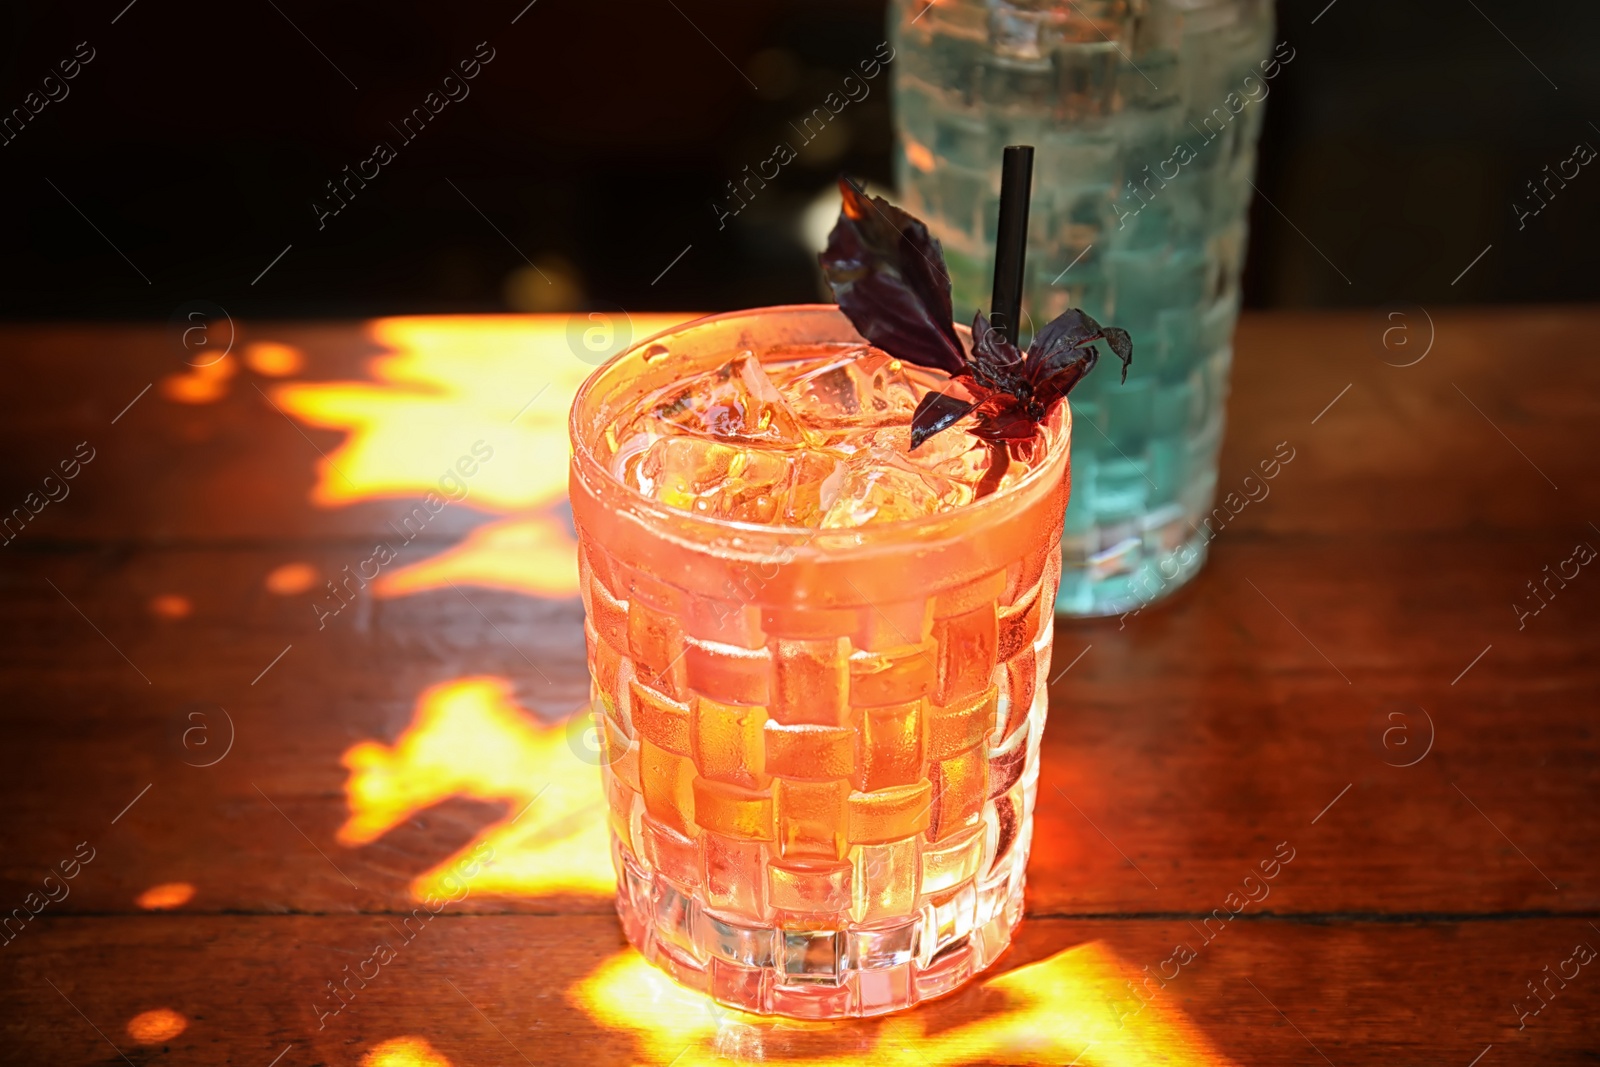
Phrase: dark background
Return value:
(599, 135)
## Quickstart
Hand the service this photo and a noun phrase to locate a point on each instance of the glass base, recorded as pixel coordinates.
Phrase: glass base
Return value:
(1140, 565)
(858, 971)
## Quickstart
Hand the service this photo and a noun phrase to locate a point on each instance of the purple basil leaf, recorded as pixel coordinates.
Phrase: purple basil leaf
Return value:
(937, 411)
(1070, 329)
(993, 357)
(1058, 381)
(999, 463)
(1011, 423)
(889, 277)
(1064, 340)
(1121, 346)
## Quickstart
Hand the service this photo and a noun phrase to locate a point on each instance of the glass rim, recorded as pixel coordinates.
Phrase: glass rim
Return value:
(586, 463)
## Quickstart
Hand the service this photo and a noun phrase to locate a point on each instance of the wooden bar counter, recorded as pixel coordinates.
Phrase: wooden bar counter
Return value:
(292, 774)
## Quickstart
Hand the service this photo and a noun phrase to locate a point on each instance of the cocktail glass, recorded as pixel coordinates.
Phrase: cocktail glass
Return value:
(1145, 117)
(820, 746)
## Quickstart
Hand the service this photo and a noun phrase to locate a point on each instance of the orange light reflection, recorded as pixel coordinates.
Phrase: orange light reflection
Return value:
(154, 1027)
(170, 606)
(404, 1052)
(445, 384)
(535, 555)
(1068, 1008)
(203, 383)
(273, 359)
(165, 896)
(469, 739)
(291, 578)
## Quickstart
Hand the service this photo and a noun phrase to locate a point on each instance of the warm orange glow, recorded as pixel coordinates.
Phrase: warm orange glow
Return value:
(170, 606)
(442, 385)
(154, 1027)
(468, 738)
(627, 993)
(918, 156)
(203, 383)
(445, 384)
(291, 578)
(1073, 1007)
(534, 555)
(165, 896)
(273, 359)
(404, 1052)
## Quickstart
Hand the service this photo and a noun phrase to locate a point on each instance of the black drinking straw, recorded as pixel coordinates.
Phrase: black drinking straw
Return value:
(1011, 239)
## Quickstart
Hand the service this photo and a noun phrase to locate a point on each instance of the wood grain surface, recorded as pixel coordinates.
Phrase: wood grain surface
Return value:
(269, 786)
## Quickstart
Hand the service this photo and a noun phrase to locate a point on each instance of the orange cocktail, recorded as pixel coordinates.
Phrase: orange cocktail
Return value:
(821, 658)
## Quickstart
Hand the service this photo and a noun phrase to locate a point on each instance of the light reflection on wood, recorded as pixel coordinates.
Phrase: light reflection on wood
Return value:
(1071, 1008)
(448, 382)
(404, 1052)
(468, 738)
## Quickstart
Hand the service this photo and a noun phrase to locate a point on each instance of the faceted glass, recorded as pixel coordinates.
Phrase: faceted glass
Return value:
(1145, 116)
(820, 744)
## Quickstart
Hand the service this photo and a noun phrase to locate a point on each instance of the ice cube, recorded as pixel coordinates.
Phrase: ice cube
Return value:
(861, 387)
(882, 484)
(713, 479)
(735, 402)
(977, 466)
(880, 494)
(789, 487)
(629, 452)
(819, 477)
(817, 442)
